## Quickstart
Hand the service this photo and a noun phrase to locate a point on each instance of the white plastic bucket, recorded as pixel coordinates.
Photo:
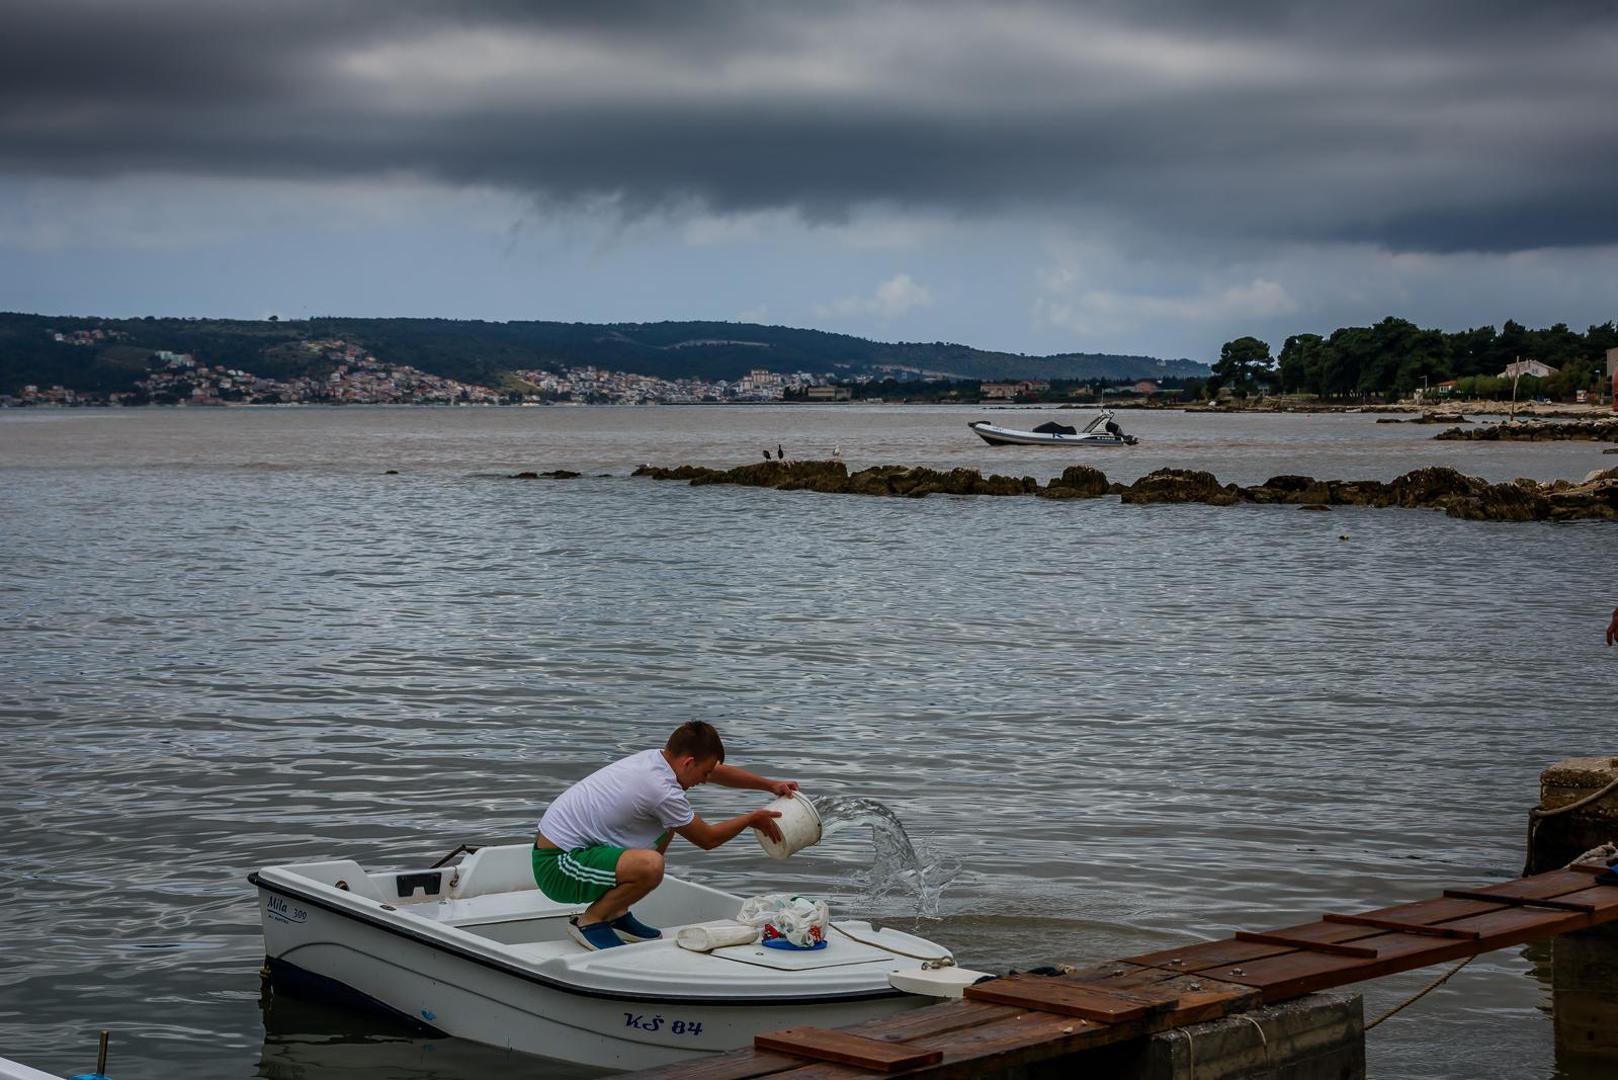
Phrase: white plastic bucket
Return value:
(799, 825)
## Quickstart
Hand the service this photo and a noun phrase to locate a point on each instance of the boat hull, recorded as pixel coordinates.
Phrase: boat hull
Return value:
(999, 436)
(315, 946)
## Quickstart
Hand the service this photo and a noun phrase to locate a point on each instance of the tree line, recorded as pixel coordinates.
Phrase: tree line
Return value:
(479, 352)
(1396, 357)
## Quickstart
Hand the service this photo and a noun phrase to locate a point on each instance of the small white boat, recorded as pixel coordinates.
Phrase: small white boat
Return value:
(1102, 431)
(477, 951)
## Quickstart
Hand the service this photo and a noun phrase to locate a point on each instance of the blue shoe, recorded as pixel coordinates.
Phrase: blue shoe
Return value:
(632, 929)
(595, 936)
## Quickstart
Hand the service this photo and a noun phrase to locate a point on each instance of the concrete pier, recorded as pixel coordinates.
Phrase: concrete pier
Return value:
(1584, 964)
(1318, 1037)
(1559, 838)
(1256, 1004)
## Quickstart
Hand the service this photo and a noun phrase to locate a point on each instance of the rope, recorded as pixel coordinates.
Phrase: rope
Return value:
(1190, 1054)
(1263, 1038)
(1423, 992)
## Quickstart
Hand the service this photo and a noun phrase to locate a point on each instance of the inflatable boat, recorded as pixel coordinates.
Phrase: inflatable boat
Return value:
(1102, 431)
(476, 951)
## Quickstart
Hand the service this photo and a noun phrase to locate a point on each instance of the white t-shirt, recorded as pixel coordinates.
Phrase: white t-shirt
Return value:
(628, 804)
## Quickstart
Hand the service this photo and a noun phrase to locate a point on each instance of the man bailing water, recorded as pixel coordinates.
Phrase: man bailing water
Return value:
(602, 841)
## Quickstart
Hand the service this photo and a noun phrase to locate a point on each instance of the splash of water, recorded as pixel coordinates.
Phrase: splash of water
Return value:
(898, 866)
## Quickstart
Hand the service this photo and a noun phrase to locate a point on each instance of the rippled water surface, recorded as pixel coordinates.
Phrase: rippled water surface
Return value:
(231, 640)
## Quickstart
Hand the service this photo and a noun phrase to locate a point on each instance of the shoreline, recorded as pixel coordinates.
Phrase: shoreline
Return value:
(1447, 411)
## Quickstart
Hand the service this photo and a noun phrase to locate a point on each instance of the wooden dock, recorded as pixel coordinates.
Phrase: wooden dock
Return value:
(1021, 1019)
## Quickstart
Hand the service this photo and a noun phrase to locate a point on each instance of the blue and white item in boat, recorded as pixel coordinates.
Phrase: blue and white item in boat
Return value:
(786, 921)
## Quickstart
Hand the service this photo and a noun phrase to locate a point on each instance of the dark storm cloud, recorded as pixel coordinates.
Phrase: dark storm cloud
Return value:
(1475, 126)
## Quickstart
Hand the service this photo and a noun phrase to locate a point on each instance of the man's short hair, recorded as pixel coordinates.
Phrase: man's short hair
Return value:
(698, 739)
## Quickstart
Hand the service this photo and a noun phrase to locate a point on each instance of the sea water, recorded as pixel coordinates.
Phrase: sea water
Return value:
(230, 640)
(899, 866)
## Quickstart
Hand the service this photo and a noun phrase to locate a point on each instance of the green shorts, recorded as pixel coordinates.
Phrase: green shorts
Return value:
(580, 876)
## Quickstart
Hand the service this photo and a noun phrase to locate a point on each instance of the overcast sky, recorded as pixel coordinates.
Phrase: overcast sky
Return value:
(1147, 176)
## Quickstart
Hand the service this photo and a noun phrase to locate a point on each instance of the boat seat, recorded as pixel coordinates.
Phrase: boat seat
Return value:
(503, 869)
(507, 907)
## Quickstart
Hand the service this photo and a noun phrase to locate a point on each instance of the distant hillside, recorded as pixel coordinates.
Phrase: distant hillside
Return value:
(482, 352)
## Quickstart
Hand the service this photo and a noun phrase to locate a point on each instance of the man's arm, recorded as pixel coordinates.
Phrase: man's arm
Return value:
(733, 777)
(707, 837)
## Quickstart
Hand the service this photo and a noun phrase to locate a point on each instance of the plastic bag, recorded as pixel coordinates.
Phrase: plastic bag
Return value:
(787, 921)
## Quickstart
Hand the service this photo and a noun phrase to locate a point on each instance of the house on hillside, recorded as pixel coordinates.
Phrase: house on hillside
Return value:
(1528, 367)
(1005, 391)
(824, 392)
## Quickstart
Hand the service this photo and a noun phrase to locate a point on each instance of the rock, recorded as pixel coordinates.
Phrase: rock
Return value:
(1359, 493)
(920, 482)
(391, 472)
(1076, 482)
(558, 474)
(787, 475)
(1426, 418)
(1601, 430)
(1434, 486)
(1181, 485)
(1500, 502)
(682, 472)
(1596, 500)
(877, 480)
(1289, 489)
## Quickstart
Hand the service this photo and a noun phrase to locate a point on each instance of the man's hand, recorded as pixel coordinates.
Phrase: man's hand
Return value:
(782, 788)
(764, 822)
(1612, 628)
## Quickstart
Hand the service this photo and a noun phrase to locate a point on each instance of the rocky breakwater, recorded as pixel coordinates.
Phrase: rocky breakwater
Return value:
(1435, 488)
(1426, 418)
(833, 477)
(1600, 430)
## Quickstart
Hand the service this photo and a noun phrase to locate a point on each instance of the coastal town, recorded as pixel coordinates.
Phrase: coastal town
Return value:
(350, 375)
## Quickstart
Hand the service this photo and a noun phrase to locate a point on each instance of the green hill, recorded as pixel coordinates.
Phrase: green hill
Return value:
(483, 352)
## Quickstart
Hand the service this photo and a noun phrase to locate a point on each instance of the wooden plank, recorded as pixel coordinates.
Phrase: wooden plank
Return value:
(1604, 898)
(1509, 926)
(1295, 974)
(1593, 868)
(1189, 997)
(747, 1063)
(1203, 956)
(1063, 998)
(846, 1048)
(1540, 886)
(1554, 903)
(1205, 980)
(1399, 926)
(1329, 948)
(932, 1020)
(1029, 1037)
